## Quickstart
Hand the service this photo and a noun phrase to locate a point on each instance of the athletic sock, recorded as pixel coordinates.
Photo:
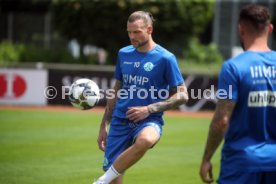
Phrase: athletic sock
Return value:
(109, 175)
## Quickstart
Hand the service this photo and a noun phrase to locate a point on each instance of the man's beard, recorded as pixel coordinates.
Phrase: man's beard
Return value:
(142, 44)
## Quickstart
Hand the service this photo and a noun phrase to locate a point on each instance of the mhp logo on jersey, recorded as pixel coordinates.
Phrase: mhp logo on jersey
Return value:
(262, 99)
(263, 71)
(135, 79)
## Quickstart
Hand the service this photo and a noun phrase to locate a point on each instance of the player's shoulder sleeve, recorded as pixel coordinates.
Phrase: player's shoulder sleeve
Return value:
(118, 71)
(172, 74)
(228, 81)
(122, 54)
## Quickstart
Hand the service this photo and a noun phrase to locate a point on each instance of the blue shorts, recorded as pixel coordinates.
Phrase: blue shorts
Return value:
(247, 177)
(122, 134)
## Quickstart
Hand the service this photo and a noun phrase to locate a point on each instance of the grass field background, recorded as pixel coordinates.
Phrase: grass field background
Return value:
(48, 147)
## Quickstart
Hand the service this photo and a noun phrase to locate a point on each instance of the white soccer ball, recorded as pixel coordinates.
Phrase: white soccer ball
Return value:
(84, 94)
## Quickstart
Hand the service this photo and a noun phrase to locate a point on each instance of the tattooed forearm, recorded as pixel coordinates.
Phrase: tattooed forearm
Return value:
(109, 110)
(111, 104)
(218, 127)
(179, 97)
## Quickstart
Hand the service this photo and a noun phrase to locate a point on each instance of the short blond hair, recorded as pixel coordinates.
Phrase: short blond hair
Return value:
(141, 15)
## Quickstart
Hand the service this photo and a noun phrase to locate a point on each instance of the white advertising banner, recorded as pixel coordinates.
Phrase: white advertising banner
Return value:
(23, 86)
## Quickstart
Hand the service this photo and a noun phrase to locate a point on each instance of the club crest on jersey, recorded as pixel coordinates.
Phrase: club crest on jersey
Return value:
(148, 66)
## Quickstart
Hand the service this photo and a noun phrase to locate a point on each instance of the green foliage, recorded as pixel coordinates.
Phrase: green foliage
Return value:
(13, 53)
(38, 54)
(201, 59)
(10, 53)
(203, 54)
(103, 23)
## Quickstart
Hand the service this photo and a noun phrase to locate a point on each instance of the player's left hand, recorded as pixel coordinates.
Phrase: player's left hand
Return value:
(136, 114)
(206, 172)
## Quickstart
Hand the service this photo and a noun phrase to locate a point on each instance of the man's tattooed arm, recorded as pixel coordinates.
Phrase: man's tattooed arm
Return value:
(179, 96)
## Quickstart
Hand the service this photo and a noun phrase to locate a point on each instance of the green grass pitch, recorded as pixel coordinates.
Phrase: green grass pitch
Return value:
(60, 148)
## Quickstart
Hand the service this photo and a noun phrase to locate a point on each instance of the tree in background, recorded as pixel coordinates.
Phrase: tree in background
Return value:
(103, 23)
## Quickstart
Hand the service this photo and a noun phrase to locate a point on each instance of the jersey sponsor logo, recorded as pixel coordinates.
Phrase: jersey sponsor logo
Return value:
(262, 99)
(148, 66)
(135, 79)
(259, 71)
(135, 64)
(127, 63)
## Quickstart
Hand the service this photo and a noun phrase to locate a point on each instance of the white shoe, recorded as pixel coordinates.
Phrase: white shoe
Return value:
(99, 182)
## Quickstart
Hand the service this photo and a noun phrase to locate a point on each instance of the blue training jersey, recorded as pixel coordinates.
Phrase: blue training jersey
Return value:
(146, 78)
(250, 142)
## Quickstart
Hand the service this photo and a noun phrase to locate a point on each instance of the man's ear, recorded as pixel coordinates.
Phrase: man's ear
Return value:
(150, 29)
(270, 28)
(241, 29)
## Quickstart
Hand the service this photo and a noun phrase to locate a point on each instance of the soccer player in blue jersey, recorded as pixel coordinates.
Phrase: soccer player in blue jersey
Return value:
(148, 82)
(246, 116)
